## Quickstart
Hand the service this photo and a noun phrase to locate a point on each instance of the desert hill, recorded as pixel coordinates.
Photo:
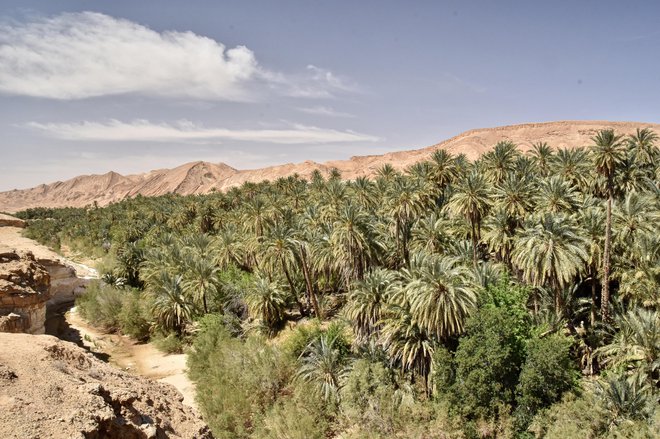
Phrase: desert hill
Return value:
(202, 177)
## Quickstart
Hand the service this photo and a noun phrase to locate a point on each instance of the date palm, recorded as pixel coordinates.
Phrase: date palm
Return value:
(441, 293)
(471, 199)
(323, 366)
(367, 301)
(642, 145)
(542, 156)
(550, 251)
(608, 152)
(266, 301)
(171, 308)
(501, 161)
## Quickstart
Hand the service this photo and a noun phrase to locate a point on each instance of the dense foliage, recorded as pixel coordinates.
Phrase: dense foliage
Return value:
(513, 296)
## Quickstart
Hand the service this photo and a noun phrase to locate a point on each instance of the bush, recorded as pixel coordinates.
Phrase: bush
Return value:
(101, 305)
(488, 362)
(134, 316)
(237, 382)
(169, 344)
(548, 372)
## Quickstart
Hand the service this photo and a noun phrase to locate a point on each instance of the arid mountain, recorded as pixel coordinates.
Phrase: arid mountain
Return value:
(202, 177)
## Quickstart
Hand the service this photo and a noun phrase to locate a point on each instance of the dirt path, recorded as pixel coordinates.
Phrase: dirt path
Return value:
(139, 358)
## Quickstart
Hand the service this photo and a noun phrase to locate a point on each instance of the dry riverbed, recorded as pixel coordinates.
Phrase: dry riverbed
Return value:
(141, 359)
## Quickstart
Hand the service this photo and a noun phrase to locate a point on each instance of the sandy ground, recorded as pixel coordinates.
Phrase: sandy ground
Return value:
(139, 358)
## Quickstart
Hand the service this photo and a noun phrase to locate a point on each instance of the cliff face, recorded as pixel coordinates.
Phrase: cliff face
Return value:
(24, 291)
(202, 177)
(54, 389)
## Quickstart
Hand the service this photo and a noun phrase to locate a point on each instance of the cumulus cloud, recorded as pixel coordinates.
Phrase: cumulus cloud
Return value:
(186, 131)
(89, 54)
(324, 111)
(81, 55)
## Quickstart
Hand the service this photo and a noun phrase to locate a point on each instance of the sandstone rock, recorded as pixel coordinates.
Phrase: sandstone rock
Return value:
(54, 389)
(10, 221)
(24, 291)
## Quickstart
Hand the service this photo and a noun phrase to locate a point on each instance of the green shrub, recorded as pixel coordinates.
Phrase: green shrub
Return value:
(101, 305)
(237, 382)
(548, 372)
(134, 316)
(169, 344)
(488, 361)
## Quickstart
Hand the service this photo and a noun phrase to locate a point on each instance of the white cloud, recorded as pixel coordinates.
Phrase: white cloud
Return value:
(186, 131)
(324, 111)
(81, 55)
(318, 83)
(88, 54)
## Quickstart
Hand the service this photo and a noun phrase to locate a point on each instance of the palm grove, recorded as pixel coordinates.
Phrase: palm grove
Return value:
(513, 296)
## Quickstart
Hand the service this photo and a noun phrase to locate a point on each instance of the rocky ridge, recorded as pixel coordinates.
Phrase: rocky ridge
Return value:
(203, 177)
(54, 389)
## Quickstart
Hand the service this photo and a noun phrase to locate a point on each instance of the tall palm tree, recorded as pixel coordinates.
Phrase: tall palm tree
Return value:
(608, 152)
(471, 199)
(642, 144)
(550, 251)
(367, 300)
(592, 220)
(201, 279)
(542, 156)
(441, 294)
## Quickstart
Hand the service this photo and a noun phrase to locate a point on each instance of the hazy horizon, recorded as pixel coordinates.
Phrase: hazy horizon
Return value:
(87, 88)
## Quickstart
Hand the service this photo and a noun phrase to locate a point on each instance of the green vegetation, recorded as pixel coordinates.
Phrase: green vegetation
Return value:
(513, 296)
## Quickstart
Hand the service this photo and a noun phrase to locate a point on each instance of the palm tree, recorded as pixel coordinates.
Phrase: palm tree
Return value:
(608, 152)
(542, 156)
(471, 199)
(500, 161)
(592, 221)
(171, 308)
(406, 343)
(550, 251)
(201, 279)
(555, 194)
(636, 345)
(367, 301)
(441, 294)
(642, 145)
(323, 365)
(404, 204)
(266, 301)
(350, 242)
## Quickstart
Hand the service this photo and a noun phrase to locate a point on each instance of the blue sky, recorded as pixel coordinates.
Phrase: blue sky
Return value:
(92, 86)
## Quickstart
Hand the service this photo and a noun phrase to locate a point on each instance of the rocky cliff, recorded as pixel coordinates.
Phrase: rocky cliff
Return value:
(24, 292)
(54, 389)
(202, 177)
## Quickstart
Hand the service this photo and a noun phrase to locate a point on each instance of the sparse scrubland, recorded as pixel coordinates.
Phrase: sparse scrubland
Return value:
(513, 296)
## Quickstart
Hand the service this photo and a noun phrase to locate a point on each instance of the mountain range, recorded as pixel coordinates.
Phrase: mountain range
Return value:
(202, 177)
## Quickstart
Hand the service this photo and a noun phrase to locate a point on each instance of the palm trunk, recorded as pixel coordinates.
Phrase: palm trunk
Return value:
(308, 283)
(605, 298)
(474, 243)
(593, 296)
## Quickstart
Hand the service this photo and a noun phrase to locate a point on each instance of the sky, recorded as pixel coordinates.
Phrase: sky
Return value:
(88, 86)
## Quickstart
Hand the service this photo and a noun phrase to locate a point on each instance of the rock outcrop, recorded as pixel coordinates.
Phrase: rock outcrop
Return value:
(24, 292)
(54, 389)
(203, 177)
(11, 221)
